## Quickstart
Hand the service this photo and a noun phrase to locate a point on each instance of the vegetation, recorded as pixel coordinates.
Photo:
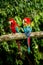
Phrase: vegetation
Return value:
(9, 50)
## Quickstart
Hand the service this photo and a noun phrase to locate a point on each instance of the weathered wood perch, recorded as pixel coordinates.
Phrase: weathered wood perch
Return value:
(18, 36)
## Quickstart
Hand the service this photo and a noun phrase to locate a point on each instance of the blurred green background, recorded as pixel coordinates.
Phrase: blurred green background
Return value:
(9, 50)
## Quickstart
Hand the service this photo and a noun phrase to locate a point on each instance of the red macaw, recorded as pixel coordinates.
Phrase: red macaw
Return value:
(14, 28)
(27, 30)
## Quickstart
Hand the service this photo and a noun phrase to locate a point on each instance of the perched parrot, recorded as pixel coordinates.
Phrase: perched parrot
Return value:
(27, 30)
(15, 29)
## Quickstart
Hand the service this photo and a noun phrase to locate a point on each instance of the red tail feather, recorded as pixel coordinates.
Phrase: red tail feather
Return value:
(28, 41)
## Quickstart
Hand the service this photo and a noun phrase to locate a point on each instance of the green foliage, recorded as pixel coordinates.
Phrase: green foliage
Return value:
(20, 8)
(18, 20)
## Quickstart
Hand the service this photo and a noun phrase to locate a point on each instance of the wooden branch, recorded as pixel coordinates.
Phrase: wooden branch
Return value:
(18, 36)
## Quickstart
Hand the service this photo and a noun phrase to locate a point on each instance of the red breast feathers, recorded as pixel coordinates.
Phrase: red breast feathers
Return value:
(13, 25)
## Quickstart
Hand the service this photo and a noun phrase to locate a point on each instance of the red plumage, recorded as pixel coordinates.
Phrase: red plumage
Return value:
(28, 40)
(27, 20)
(13, 25)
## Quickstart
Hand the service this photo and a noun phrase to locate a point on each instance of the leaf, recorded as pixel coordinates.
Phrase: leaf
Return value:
(36, 18)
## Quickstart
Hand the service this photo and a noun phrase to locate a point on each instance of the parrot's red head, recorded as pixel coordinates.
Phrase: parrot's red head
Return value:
(12, 25)
(12, 22)
(27, 21)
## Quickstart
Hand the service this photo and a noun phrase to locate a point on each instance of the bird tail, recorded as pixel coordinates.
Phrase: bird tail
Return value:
(28, 43)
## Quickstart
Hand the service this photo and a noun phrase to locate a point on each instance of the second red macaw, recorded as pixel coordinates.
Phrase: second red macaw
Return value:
(27, 30)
